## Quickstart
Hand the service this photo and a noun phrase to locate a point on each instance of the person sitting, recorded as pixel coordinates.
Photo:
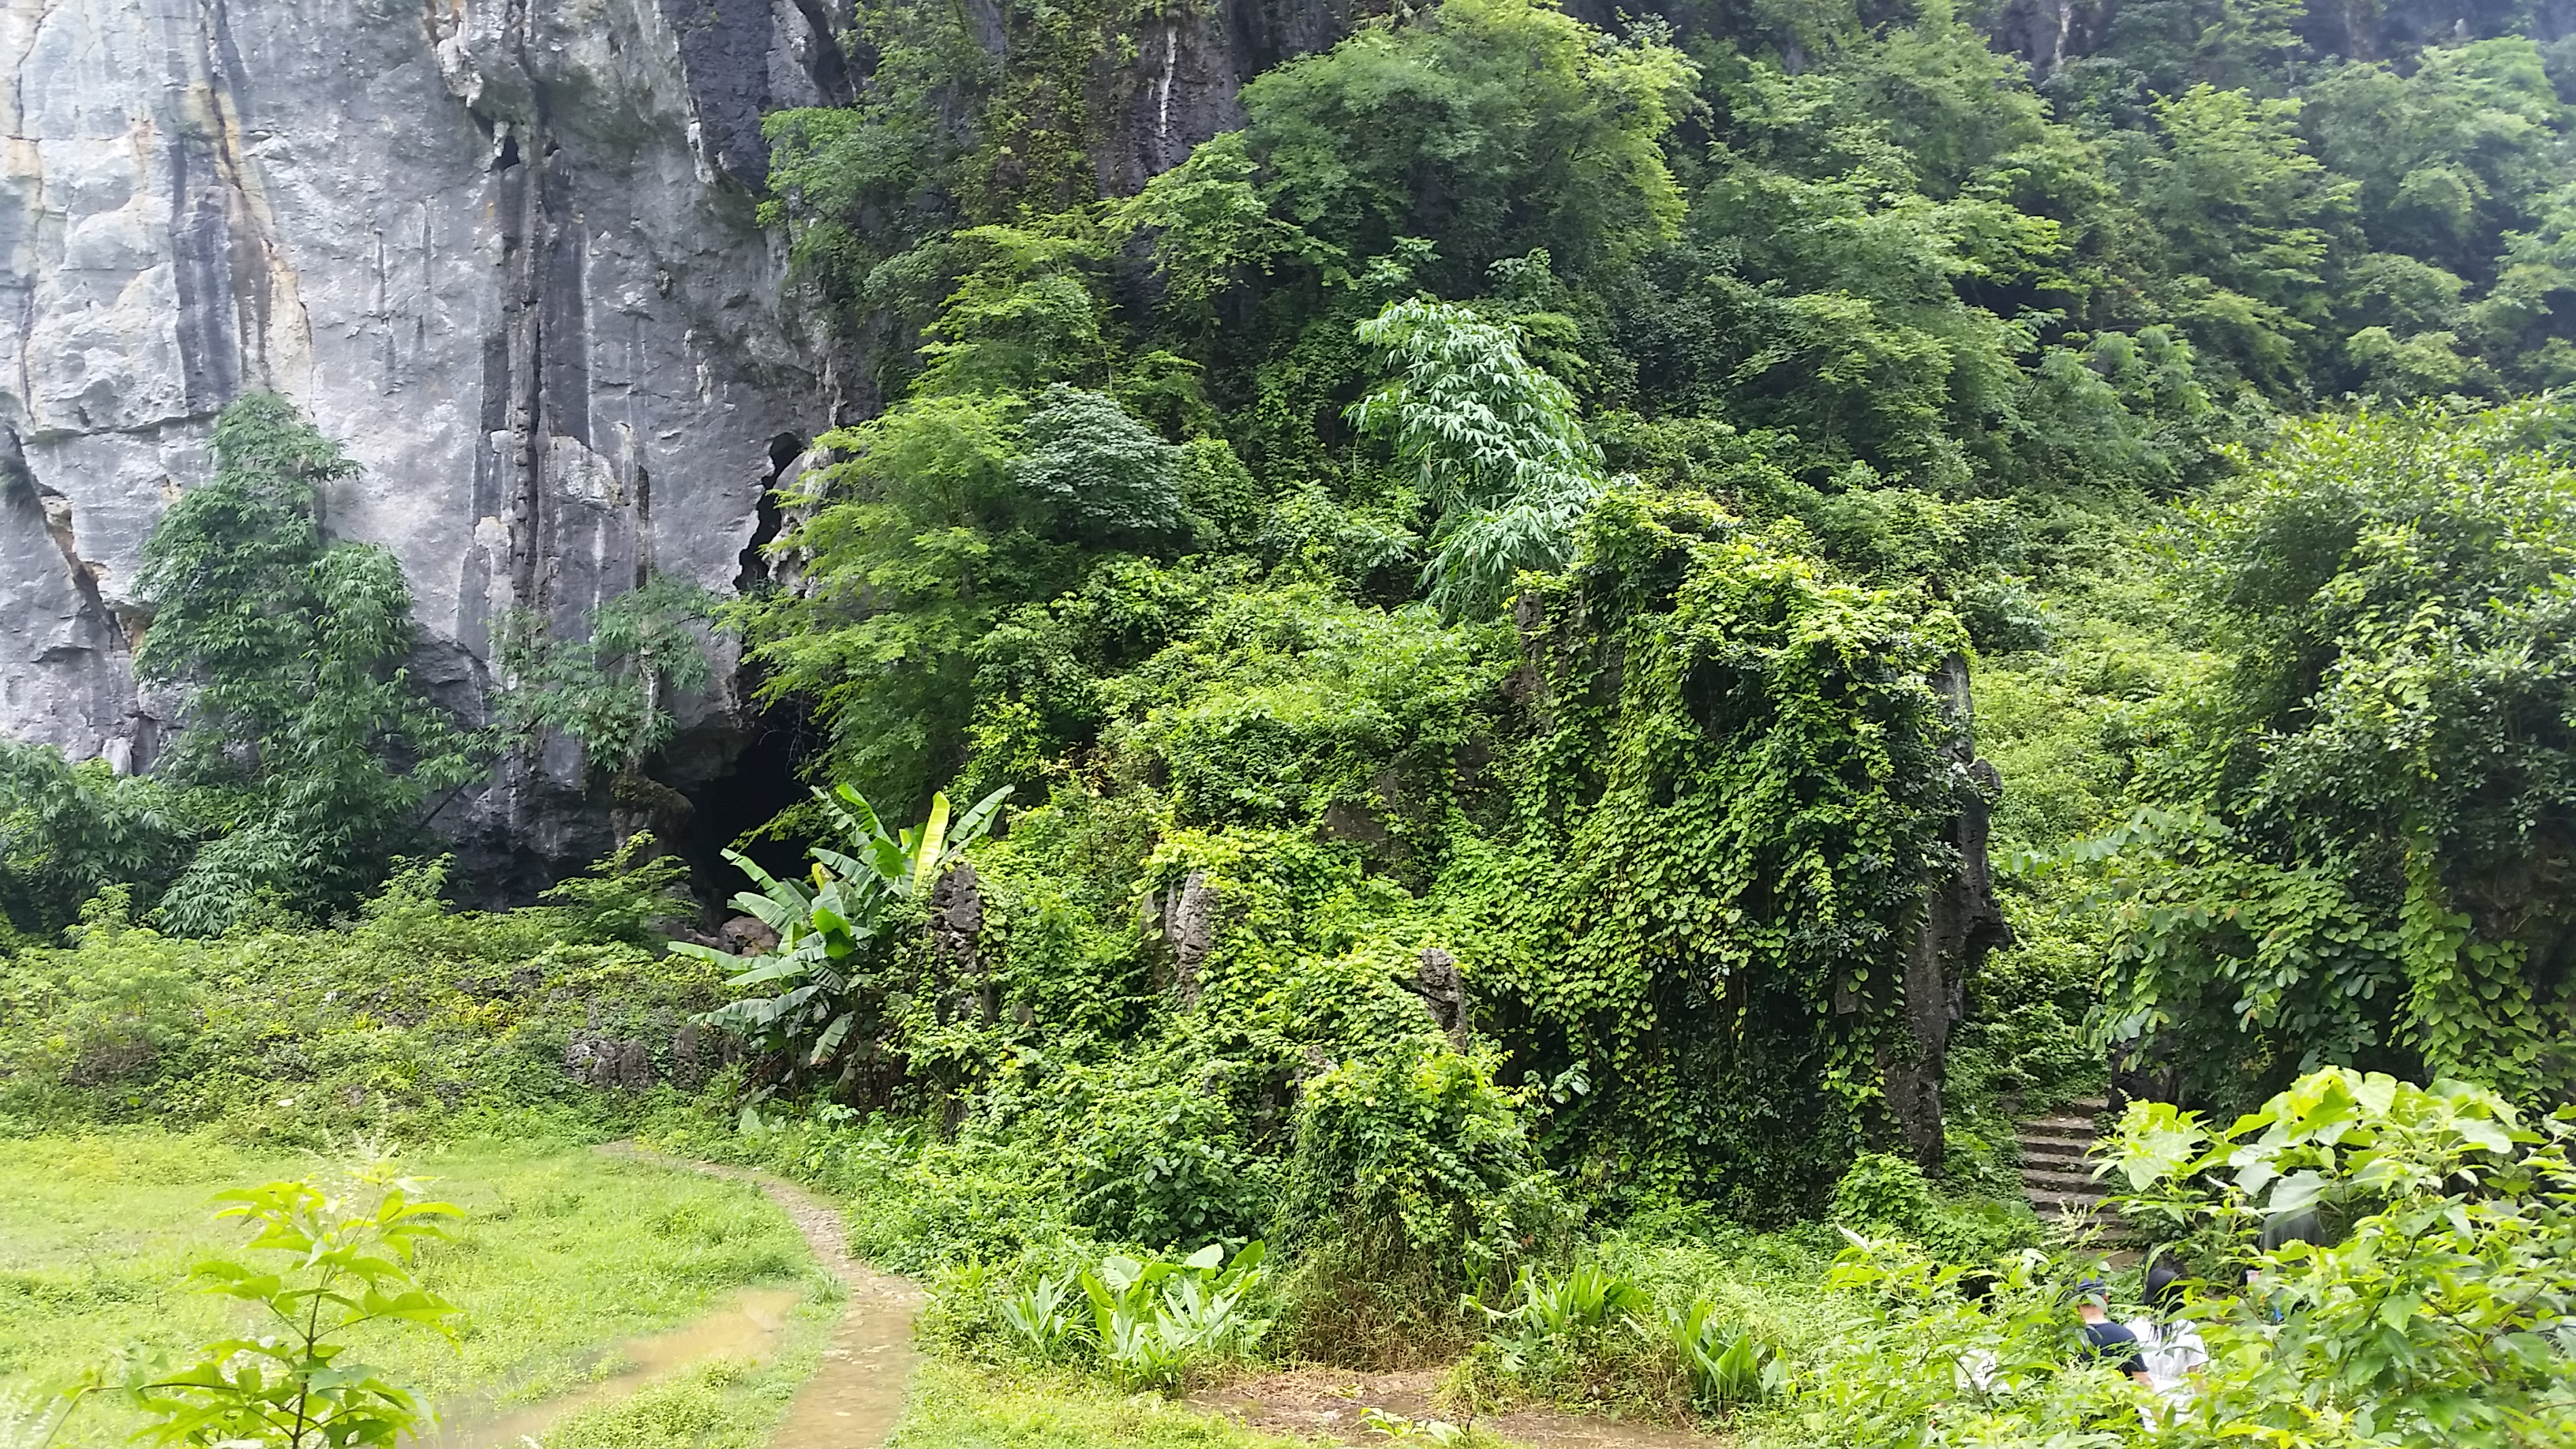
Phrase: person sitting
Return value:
(2169, 1342)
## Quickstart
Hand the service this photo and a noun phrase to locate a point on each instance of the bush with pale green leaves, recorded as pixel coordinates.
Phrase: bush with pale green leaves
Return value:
(2436, 1309)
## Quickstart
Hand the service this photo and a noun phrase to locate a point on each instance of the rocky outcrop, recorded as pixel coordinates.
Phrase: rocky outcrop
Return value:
(1957, 926)
(503, 250)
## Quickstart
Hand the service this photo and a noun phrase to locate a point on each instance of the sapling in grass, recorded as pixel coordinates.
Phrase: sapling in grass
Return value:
(348, 1262)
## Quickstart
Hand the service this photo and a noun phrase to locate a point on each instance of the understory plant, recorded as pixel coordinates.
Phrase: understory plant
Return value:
(2416, 1291)
(828, 981)
(1152, 1320)
(2434, 1300)
(342, 1259)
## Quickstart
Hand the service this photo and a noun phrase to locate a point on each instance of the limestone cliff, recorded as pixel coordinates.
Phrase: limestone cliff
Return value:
(504, 250)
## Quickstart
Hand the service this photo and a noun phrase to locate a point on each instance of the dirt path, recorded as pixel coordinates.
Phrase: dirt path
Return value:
(748, 1325)
(1330, 1403)
(854, 1398)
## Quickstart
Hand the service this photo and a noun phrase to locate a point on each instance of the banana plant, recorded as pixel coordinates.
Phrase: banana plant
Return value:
(833, 934)
(912, 860)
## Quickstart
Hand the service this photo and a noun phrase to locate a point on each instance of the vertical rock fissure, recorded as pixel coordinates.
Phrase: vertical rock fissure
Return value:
(1958, 924)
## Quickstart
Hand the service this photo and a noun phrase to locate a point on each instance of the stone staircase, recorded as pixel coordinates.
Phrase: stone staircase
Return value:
(2056, 1172)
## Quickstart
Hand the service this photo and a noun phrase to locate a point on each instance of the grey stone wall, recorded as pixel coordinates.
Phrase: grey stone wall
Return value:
(501, 249)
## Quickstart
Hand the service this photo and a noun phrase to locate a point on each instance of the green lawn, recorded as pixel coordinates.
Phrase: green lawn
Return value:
(564, 1253)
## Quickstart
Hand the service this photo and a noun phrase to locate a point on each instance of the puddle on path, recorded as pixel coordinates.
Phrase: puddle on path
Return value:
(1330, 1404)
(854, 1398)
(748, 1326)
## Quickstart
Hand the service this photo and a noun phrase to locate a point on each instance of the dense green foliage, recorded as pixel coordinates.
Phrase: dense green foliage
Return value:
(1488, 582)
(409, 1019)
(307, 752)
(2436, 1317)
(609, 691)
(2361, 833)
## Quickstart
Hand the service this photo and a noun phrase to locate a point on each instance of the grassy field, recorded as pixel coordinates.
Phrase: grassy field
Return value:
(564, 1254)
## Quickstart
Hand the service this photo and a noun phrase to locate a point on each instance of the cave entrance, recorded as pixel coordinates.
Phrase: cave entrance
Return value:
(762, 781)
(764, 776)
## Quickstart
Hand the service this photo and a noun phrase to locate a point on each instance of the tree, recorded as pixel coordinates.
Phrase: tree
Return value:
(2364, 841)
(1501, 456)
(295, 1385)
(610, 692)
(307, 748)
(69, 831)
(1495, 126)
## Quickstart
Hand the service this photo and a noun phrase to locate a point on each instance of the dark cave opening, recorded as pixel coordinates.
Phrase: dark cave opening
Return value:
(762, 781)
(763, 778)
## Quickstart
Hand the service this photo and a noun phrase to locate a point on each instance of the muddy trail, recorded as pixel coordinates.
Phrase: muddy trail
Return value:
(1332, 1405)
(855, 1394)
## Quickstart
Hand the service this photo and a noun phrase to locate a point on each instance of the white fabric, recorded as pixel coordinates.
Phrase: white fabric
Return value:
(2173, 1353)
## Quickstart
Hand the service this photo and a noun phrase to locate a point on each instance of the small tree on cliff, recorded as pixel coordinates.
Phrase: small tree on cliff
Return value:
(307, 749)
(610, 693)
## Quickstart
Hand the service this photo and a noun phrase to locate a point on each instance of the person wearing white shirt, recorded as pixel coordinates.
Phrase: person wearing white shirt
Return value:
(2169, 1342)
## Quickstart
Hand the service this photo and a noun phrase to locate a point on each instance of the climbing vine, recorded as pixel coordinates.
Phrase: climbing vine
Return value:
(1733, 801)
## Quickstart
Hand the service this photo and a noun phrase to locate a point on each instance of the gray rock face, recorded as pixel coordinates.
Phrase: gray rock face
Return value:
(499, 248)
(503, 250)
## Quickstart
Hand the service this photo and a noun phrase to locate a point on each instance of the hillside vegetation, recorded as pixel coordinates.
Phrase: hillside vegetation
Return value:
(1504, 724)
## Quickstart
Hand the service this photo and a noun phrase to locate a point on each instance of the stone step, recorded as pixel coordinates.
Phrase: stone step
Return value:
(2037, 1179)
(2049, 1204)
(2057, 1163)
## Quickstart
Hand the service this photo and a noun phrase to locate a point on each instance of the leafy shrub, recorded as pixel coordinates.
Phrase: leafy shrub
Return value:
(410, 1019)
(838, 953)
(1931, 1352)
(1043, 1312)
(1560, 1317)
(1156, 1153)
(307, 743)
(1156, 1320)
(2433, 1313)
(1091, 458)
(1728, 1364)
(1889, 1196)
(608, 691)
(1150, 1322)
(104, 1018)
(1494, 442)
(2438, 1315)
(69, 831)
(2356, 840)
(1412, 1166)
